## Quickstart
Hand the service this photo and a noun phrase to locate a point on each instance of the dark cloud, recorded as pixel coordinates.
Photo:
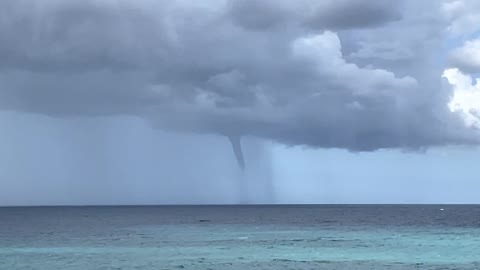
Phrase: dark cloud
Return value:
(329, 14)
(262, 15)
(206, 67)
(347, 14)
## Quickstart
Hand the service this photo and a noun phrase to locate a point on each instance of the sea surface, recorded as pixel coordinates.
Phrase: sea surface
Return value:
(241, 237)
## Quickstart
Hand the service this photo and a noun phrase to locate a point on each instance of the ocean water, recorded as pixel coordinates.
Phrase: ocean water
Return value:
(241, 237)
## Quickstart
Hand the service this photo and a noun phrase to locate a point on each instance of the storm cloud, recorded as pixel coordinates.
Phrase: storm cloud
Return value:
(330, 74)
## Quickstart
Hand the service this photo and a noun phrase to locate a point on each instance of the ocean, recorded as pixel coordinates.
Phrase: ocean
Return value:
(241, 237)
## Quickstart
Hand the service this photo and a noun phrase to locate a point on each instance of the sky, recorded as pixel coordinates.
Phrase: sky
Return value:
(140, 102)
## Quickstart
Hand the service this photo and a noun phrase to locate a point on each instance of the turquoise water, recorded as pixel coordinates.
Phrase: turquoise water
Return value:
(266, 237)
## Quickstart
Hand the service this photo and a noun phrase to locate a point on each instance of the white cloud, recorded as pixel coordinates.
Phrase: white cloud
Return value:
(466, 96)
(467, 57)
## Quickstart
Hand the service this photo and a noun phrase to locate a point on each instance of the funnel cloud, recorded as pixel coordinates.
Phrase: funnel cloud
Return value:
(237, 149)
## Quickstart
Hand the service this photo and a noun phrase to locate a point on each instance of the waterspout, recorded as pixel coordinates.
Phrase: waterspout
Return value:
(237, 149)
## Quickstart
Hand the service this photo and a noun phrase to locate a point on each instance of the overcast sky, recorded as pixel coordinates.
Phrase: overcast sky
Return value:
(335, 101)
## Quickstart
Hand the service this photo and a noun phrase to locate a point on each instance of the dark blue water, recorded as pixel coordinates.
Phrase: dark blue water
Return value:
(241, 237)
